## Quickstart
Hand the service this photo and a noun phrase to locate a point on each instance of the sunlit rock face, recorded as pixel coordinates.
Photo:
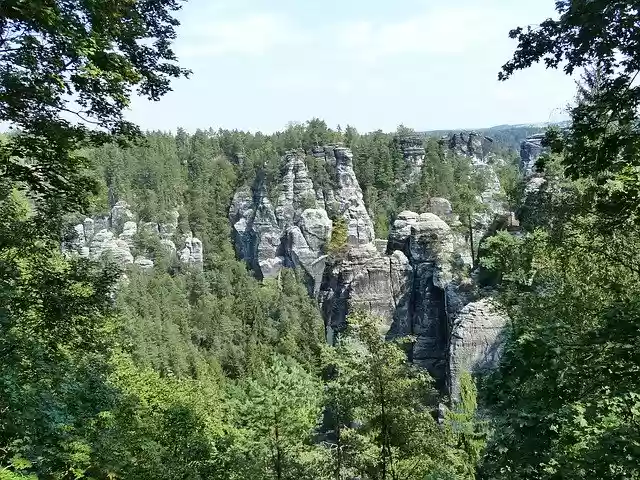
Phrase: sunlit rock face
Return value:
(427, 242)
(114, 237)
(530, 151)
(475, 341)
(407, 281)
(413, 151)
(470, 144)
(350, 201)
(291, 233)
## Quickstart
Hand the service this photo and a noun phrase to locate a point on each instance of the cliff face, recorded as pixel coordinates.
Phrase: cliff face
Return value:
(291, 234)
(115, 235)
(350, 202)
(414, 154)
(407, 281)
(470, 144)
(530, 151)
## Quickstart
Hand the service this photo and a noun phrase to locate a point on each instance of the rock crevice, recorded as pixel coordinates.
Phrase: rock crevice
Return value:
(407, 280)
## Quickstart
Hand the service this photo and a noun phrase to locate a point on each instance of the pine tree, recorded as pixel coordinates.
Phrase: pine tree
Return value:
(378, 409)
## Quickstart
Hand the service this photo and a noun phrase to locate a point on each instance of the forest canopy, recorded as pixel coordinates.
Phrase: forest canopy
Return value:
(177, 372)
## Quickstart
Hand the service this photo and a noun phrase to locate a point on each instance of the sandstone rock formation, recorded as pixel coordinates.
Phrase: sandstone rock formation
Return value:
(413, 153)
(440, 207)
(192, 254)
(114, 236)
(475, 341)
(291, 234)
(408, 280)
(361, 281)
(413, 291)
(257, 236)
(350, 200)
(296, 191)
(470, 144)
(530, 151)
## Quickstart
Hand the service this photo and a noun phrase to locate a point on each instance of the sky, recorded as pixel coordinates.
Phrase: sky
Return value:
(428, 64)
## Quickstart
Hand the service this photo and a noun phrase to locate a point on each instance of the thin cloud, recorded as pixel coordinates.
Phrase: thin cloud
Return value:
(253, 35)
(436, 31)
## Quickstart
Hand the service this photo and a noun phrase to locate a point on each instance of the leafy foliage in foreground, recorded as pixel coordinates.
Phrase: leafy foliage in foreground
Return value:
(380, 414)
(566, 394)
(602, 141)
(566, 398)
(68, 64)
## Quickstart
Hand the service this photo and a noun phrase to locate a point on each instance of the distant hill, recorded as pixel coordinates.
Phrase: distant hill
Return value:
(508, 136)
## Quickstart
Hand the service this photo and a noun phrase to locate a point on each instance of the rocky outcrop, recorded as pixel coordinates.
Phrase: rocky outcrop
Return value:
(291, 234)
(409, 288)
(350, 201)
(453, 331)
(427, 243)
(295, 231)
(441, 207)
(104, 243)
(413, 152)
(114, 237)
(530, 151)
(364, 280)
(257, 235)
(414, 291)
(470, 144)
(475, 342)
(296, 191)
(192, 253)
(120, 214)
(409, 281)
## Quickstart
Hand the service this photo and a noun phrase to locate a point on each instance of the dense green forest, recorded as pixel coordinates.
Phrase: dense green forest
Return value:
(177, 373)
(200, 172)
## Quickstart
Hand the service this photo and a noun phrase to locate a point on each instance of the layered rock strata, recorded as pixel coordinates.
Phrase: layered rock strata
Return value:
(408, 281)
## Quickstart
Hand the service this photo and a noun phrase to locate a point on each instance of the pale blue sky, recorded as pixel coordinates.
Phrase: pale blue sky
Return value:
(429, 64)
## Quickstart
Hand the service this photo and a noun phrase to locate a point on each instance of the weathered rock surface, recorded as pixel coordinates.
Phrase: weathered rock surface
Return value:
(530, 151)
(295, 231)
(316, 227)
(440, 207)
(192, 253)
(409, 289)
(297, 193)
(364, 280)
(114, 237)
(291, 234)
(144, 263)
(350, 200)
(302, 254)
(428, 244)
(470, 144)
(256, 230)
(413, 153)
(120, 214)
(401, 231)
(475, 341)
(407, 280)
